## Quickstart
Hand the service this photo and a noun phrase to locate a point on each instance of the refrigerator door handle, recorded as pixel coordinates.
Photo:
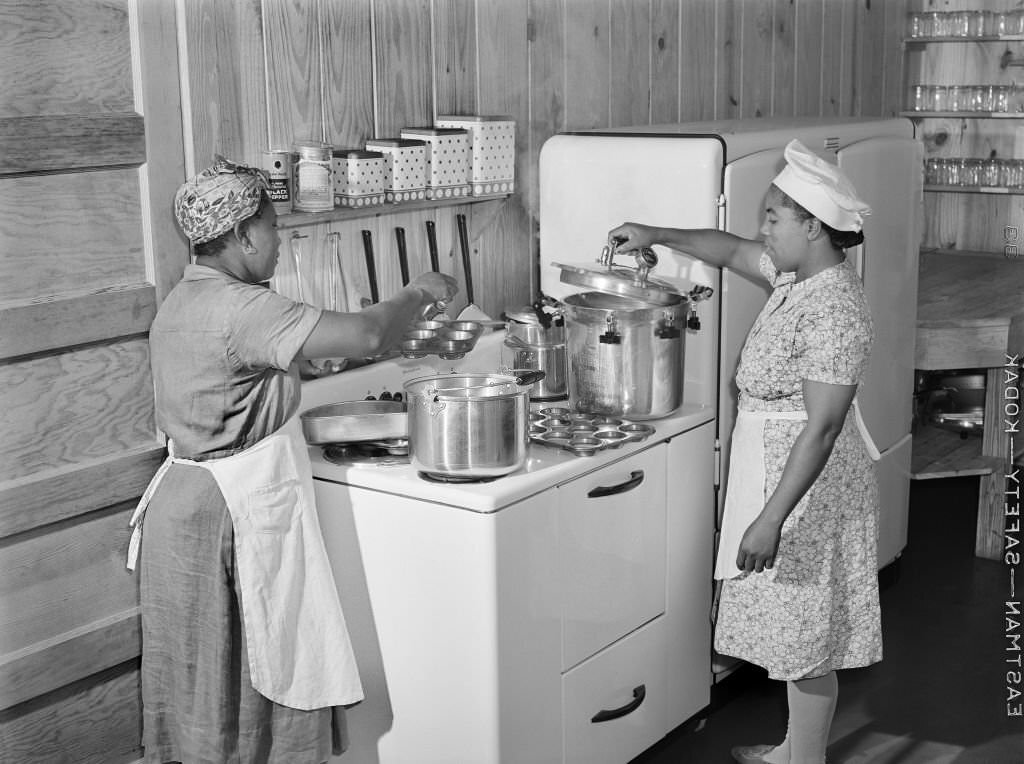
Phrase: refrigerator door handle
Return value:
(720, 203)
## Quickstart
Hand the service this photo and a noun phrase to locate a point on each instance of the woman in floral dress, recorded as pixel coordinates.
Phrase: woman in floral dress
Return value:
(797, 551)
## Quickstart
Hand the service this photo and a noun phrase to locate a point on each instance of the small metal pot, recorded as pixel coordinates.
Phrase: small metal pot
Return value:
(535, 339)
(469, 425)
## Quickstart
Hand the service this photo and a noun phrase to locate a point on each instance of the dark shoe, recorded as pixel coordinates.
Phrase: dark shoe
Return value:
(751, 754)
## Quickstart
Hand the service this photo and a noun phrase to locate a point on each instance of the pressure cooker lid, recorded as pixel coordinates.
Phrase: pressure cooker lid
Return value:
(622, 281)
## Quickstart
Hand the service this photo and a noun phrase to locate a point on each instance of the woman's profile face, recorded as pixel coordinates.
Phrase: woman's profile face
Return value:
(784, 234)
(265, 237)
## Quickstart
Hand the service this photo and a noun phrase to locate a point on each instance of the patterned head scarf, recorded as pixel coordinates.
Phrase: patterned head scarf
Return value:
(821, 188)
(210, 204)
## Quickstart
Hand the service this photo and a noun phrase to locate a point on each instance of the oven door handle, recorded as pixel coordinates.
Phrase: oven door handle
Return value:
(636, 477)
(639, 693)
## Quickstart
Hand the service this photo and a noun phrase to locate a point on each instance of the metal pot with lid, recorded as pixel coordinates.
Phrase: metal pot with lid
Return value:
(535, 339)
(625, 338)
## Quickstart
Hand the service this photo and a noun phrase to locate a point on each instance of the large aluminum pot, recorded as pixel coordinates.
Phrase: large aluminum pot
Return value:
(625, 357)
(469, 425)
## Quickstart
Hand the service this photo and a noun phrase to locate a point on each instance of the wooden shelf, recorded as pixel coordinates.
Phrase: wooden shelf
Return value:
(299, 219)
(963, 114)
(973, 190)
(939, 453)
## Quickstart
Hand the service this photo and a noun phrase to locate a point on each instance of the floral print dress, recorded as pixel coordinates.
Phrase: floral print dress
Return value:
(816, 609)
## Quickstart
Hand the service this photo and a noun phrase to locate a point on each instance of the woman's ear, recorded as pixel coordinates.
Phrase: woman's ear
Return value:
(242, 237)
(814, 229)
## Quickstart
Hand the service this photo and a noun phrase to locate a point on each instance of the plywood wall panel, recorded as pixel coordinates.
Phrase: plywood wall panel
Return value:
(630, 66)
(348, 73)
(503, 265)
(223, 55)
(587, 64)
(666, 68)
(293, 71)
(701, 53)
(95, 721)
(783, 58)
(546, 89)
(837, 51)
(809, 70)
(70, 71)
(402, 62)
(92, 237)
(756, 47)
(728, 59)
(455, 56)
(76, 405)
(56, 582)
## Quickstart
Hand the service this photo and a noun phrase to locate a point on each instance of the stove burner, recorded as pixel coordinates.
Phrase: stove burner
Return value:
(437, 477)
(383, 452)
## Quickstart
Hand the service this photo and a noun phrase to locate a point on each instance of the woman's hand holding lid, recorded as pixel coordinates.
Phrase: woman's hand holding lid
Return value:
(630, 236)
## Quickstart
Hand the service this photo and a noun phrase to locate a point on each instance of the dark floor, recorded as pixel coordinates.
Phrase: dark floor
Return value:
(939, 696)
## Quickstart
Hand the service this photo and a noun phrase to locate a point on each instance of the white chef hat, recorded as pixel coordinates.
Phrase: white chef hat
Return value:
(821, 188)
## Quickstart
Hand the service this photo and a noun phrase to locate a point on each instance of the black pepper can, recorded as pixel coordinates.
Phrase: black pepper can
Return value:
(278, 166)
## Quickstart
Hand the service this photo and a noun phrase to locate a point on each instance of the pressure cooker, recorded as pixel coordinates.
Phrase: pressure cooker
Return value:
(535, 339)
(625, 338)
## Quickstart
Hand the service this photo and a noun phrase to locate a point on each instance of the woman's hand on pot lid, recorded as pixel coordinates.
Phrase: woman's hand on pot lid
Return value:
(631, 236)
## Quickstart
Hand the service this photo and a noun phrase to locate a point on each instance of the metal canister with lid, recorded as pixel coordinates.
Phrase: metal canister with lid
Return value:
(313, 185)
(278, 166)
(535, 339)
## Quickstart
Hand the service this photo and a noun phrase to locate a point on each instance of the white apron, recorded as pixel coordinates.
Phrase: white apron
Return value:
(300, 654)
(745, 497)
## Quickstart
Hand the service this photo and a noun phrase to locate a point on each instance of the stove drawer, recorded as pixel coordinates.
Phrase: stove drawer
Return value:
(614, 706)
(612, 531)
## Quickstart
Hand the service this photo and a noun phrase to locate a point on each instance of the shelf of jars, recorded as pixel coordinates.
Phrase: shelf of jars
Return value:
(945, 189)
(963, 39)
(922, 114)
(300, 219)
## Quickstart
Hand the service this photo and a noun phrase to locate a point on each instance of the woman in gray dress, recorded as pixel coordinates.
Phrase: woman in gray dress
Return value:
(798, 546)
(245, 654)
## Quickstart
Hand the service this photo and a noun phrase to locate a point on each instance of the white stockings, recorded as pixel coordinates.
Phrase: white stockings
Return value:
(812, 702)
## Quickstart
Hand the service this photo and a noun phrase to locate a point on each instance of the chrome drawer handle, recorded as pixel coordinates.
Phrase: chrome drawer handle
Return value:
(636, 477)
(639, 693)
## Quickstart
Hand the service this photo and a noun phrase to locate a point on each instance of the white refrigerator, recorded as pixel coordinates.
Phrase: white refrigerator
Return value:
(715, 175)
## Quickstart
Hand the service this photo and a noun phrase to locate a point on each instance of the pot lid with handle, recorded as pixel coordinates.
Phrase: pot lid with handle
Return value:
(634, 282)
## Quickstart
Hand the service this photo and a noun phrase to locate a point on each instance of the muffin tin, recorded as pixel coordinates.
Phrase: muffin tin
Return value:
(450, 340)
(581, 433)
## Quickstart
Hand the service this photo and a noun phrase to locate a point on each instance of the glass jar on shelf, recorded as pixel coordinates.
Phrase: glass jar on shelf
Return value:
(958, 98)
(972, 172)
(993, 172)
(934, 171)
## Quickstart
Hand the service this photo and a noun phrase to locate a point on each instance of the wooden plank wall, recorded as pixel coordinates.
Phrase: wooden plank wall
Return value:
(344, 71)
(90, 135)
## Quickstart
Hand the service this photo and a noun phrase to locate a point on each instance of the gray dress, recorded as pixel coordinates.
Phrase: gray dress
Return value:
(221, 352)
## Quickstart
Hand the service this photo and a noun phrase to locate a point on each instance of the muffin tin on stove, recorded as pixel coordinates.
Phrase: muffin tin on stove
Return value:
(450, 340)
(582, 433)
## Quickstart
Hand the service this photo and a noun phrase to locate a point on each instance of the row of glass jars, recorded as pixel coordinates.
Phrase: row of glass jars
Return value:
(987, 98)
(965, 24)
(983, 173)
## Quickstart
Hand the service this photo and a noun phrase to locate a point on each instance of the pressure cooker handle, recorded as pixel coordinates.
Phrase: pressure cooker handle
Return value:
(636, 477)
(530, 377)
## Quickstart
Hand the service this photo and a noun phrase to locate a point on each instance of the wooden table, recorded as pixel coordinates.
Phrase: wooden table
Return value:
(970, 314)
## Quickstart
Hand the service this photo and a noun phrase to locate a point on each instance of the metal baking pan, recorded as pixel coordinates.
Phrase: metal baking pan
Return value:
(353, 421)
